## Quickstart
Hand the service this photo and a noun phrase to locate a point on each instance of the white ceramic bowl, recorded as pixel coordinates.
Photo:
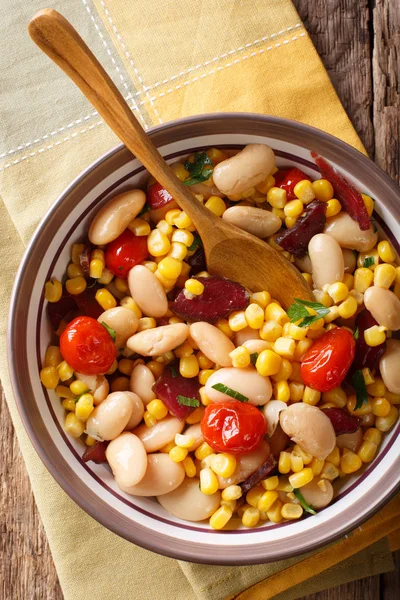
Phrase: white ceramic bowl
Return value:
(142, 520)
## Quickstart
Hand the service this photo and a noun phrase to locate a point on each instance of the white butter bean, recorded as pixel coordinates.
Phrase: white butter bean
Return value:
(147, 292)
(271, 413)
(248, 168)
(122, 320)
(98, 386)
(115, 216)
(304, 264)
(187, 502)
(137, 411)
(141, 383)
(315, 496)
(127, 458)
(162, 476)
(244, 335)
(246, 464)
(348, 234)
(351, 441)
(349, 259)
(157, 341)
(310, 428)
(162, 433)
(326, 260)
(389, 366)
(256, 345)
(110, 418)
(212, 342)
(257, 221)
(384, 306)
(195, 432)
(255, 387)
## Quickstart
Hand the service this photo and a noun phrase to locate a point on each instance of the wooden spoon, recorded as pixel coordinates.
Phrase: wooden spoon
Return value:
(230, 251)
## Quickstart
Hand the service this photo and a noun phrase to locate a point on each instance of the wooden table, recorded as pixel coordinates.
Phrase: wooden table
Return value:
(359, 43)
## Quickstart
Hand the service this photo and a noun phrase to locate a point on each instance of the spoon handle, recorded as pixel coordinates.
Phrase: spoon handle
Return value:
(59, 40)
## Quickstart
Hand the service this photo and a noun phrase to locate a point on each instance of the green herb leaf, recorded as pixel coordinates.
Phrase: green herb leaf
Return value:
(144, 210)
(253, 358)
(196, 243)
(368, 262)
(198, 172)
(298, 310)
(360, 388)
(110, 331)
(303, 503)
(173, 371)
(185, 401)
(356, 333)
(92, 284)
(220, 387)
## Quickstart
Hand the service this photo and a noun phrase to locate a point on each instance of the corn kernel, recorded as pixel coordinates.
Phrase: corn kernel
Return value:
(296, 391)
(268, 363)
(266, 500)
(73, 426)
(129, 302)
(348, 279)
(393, 398)
(84, 407)
(302, 347)
(274, 312)
(261, 298)
(285, 371)
(170, 267)
(250, 517)
(195, 416)
(304, 191)
(120, 384)
(204, 362)
(205, 375)
(384, 276)
(333, 207)
(74, 271)
(350, 462)
(363, 256)
(274, 513)
(348, 308)
(301, 478)
(184, 441)
(68, 404)
(337, 396)
(338, 291)
(285, 347)
(171, 215)
(368, 203)
(125, 366)
(232, 492)
(323, 190)
(157, 243)
(49, 377)
(221, 517)
(205, 400)
(76, 250)
(105, 299)
(284, 485)
(306, 458)
(96, 268)
(373, 435)
(188, 366)
(367, 451)
(266, 185)
(386, 252)
(377, 388)
(311, 396)
(149, 420)
(158, 410)
(291, 511)
(294, 208)
(189, 466)
(183, 236)
(308, 278)
(380, 407)
(106, 277)
(194, 287)
(53, 356)
(216, 205)
(65, 372)
(329, 471)
(277, 197)
(178, 454)
(240, 357)
(167, 448)
(237, 320)
(334, 457)
(254, 315)
(78, 387)
(375, 335)
(223, 464)
(386, 423)
(223, 325)
(139, 227)
(284, 463)
(75, 286)
(216, 155)
(317, 465)
(53, 290)
(270, 331)
(203, 450)
(282, 391)
(296, 463)
(208, 481)
(368, 376)
(63, 391)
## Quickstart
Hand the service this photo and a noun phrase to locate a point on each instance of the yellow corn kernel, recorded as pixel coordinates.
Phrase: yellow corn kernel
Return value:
(274, 312)
(373, 435)
(368, 203)
(386, 252)
(65, 372)
(189, 466)
(178, 251)
(53, 356)
(296, 391)
(195, 416)
(121, 285)
(204, 362)
(362, 279)
(139, 227)
(158, 410)
(170, 267)
(285, 371)
(250, 517)
(270, 331)
(367, 451)
(268, 363)
(167, 448)
(78, 387)
(74, 271)
(89, 441)
(183, 236)
(274, 513)
(377, 388)
(120, 384)
(223, 464)
(266, 500)
(284, 463)
(232, 492)
(380, 407)
(393, 398)
(294, 208)
(277, 197)
(216, 155)
(306, 458)
(194, 287)
(53, 290)
(203, 450)
(254, 315)
(223, 325)
(282, 391)
(49, 377)
(64, 391)
(105, 299)
(293, 331)
(334, 457)
(205, 375)
(106, 277)
(301, 478)
(329, 471)
(386, 423)
(73, 426)
(291, 511)
(76, 250)
(333, 207)
(323, 190)
(171, 215)
(348, 308)
(178, 454)
(61, 327)
(240, 357)
(337, 396)
(237, 320)
(323, 298)
(157, 243)
(146, 323)
(284, 485)
(149, 420)
(304, 191)
(205, 400)
(338, 291)
(183, 221)
(296, 376)
(261, 298)
(368, 255)
(216, 205)
(221, 517)
(384, 275)
(290, 221)
(350, 462)
(311, 396)
(68, 404)
(302, 347)
(188, 366)
(179, 171)
(285, 347)
(348, 279)
(129, 302)
(266, 185)
(308, 278)
(365, 409)
(208, 481)
(317, 465)
(84, 407)
(184, 441)
(368, 377)
(96, 268)
(375, 335)
(125, 366)
(76, 286)
(296, 463)
(184, 349)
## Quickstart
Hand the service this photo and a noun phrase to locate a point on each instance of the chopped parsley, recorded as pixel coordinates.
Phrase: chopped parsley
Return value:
(144, 210)
(253, 358)
(298, 310)
(110, 331)
(220, 387)
(303, 503)
(185, 401)
(360, 388)
(368, 262)
(196, 243)
(198, 170)
(174, 372)
(356, 333)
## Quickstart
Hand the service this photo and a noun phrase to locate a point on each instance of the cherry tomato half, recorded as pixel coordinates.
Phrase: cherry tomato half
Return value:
(157, 196)
(235, 427)
(87, 346)
(125, 252)
(286, 179)
(326, 363)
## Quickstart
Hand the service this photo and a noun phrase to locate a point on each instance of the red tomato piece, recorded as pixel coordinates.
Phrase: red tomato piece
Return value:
(87, 346)
(234, 427)
(286, 179)
(125, 252)
(157, 196)
(328, 360)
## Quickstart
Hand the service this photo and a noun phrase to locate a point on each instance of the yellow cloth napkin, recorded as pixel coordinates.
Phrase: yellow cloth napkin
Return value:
(169, 59)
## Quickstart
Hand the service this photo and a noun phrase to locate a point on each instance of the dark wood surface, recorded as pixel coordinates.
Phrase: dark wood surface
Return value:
(359, 43)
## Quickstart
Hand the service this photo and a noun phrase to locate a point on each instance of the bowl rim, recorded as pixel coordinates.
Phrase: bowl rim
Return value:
(196, 554)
